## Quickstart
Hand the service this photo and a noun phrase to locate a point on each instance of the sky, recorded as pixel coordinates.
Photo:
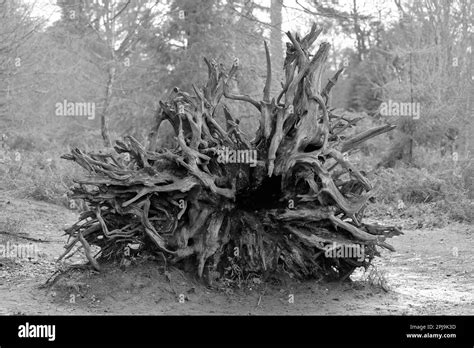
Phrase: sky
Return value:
(45, 9)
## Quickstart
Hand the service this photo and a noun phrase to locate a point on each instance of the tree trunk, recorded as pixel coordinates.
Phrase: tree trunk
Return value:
(104, 122)
(276, 42)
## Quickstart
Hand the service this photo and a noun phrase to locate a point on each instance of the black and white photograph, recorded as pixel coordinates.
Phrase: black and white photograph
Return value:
(231, 159)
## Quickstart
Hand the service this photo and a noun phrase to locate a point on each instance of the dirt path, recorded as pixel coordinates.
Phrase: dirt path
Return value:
(431, 273)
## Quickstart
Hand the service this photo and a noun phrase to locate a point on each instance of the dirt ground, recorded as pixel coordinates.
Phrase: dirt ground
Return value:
(430, 273)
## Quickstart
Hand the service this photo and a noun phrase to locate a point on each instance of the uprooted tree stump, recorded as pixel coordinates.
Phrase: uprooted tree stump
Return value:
(231, 206)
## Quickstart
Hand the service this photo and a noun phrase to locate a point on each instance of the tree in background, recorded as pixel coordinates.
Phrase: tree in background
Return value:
(430, 48)
(276, 42)
(219, 30)
(16, 31)
(113, 35)
(424, 57)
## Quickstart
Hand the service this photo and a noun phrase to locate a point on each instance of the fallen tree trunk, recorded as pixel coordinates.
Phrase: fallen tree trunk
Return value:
(280, 203)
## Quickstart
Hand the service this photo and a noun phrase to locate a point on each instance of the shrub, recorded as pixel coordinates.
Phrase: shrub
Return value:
(438, 187)
(38, 175)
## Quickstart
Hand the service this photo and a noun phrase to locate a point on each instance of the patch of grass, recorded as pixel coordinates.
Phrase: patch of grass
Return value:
(11, 226)
(376, 278)
(31, 167)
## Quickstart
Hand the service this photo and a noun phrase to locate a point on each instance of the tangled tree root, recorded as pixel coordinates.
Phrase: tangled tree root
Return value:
(288, 201)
